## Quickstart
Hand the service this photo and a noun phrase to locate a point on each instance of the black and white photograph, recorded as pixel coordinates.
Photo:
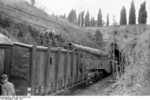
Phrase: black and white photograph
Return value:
(74, 48)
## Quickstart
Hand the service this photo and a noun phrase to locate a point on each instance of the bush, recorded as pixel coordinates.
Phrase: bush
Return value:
(5, 21)
(33, 32)
(98, 35)
(115, 32)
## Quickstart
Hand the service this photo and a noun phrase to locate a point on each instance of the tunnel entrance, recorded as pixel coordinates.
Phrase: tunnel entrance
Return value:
(117, 60)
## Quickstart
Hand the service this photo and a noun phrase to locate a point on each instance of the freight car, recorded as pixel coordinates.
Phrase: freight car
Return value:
(39, 70)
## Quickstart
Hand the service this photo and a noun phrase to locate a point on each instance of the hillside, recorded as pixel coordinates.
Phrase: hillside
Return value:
(23, 22)
(133, 41)
(122, 34)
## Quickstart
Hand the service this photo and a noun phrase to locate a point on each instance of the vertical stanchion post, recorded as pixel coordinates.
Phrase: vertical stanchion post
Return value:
(11, 62)
(65, 69)
(32, 70)
(82, 68)
(72, 61)
(120, 64)
(47, 66)
(56, 71)
(79, 65)
(117, 74)
(113, 66)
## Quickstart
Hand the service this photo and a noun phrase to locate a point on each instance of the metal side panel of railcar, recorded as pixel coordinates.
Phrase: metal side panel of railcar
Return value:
(20, 69)
(61, 68)
(40, 69)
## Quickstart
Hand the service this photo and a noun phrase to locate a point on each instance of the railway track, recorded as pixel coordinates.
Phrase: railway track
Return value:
(89, 88)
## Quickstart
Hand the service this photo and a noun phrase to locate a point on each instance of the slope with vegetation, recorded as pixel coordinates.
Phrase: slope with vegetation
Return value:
(23, 22)
(133, 42)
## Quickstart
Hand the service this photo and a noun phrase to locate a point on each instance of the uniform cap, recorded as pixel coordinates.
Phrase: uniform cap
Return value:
(4, 76)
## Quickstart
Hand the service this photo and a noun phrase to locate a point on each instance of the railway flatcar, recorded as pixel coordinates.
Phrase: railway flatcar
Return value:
(96, 62)
(39, 70)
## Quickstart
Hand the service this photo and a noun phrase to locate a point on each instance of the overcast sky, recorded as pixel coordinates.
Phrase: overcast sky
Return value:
(112, 7)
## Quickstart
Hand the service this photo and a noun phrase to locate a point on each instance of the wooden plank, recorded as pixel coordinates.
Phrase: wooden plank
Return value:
(65, 69)
(46, 67)
(82, 68)
(11, 63)
(23, 45)
(32, 70)
(78, 65)
(68, 69)
(5, 46)
(56, 71)
(72, 69)
(7, 61)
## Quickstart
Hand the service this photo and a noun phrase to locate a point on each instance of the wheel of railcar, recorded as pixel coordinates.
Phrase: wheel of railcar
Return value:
(101, 74)
(92, 79)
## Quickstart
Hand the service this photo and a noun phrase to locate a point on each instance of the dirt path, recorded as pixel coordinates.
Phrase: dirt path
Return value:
(96, 89)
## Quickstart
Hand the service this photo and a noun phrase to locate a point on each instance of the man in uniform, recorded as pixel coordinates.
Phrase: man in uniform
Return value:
(7, 87)
(51, 35)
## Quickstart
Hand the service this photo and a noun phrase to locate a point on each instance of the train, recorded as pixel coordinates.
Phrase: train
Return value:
(40, 70)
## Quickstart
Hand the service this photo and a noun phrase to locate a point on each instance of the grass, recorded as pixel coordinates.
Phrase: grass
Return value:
(135, 80)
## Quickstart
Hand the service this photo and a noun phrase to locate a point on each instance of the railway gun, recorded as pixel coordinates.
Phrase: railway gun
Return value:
(40, 70)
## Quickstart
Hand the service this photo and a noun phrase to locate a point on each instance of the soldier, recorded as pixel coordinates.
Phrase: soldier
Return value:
(7, 87)
(50, 35)
(116, 53)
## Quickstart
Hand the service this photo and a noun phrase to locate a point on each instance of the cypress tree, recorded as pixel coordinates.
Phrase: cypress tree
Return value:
(107, 23)
(123, 19)
(72, 17)
(87, 19)
(142, 18)
(99, 18)
(79, 19)
(92, 23)
(82, 19)
(132, 16)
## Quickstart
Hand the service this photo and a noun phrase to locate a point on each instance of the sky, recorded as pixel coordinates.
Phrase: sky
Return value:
(112, 7)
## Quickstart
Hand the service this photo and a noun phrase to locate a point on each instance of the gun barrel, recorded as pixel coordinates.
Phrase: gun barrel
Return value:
(93, 51)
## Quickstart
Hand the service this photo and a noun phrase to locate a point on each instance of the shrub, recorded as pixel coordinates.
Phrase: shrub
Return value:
(98, 35)
(4, 21)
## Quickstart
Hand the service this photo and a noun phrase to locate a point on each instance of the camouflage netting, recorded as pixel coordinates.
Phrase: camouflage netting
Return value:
(136, 79)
